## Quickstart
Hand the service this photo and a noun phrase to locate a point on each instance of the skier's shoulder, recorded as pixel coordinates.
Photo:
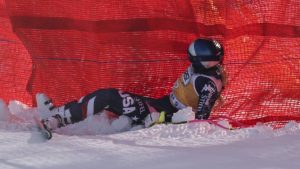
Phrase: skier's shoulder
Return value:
(208, 81)
(203, 82)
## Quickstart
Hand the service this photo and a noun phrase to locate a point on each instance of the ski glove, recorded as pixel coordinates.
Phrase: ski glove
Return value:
(155, 118)
(183, 115)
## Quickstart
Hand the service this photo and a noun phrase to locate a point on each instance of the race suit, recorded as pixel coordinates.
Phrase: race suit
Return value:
(196, 90)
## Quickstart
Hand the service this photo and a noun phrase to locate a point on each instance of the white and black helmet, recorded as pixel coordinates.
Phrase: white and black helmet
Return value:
(205, 53)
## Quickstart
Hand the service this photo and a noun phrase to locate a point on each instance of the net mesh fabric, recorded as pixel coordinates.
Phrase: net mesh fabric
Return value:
(67, 49)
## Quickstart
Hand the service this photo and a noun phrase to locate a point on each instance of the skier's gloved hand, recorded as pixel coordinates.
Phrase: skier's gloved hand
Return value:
(155, 118)
(183, 115)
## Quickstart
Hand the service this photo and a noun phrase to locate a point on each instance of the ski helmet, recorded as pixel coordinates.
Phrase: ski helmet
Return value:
(205, 53)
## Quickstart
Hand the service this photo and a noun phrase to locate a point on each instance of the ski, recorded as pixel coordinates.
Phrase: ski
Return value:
(46, 133)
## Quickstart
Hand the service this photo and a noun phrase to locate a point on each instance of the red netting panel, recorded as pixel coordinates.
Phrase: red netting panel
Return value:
(140, 46)
(15, 62)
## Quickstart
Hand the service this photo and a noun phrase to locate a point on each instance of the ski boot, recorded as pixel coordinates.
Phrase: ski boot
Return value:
(50, 116)
(55, 116)
(46, 126)
(44, 105)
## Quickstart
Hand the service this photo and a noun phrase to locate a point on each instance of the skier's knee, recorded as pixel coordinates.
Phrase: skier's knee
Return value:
(107, 94)
(75, 110)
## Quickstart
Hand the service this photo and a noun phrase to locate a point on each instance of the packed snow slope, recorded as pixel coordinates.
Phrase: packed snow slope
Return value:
(94, 144)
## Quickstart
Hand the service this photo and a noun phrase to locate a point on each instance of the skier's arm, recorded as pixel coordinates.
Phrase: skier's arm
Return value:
(208, 94)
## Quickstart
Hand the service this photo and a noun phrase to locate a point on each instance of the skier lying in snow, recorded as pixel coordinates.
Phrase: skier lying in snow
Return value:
(199, 87)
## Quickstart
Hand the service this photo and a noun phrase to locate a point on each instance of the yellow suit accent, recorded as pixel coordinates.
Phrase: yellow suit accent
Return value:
(184, 92)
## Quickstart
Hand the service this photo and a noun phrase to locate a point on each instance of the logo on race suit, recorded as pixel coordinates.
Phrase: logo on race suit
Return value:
(141, 104)
(208, 91)
(187, 76)
(128, 103)
(208, 88)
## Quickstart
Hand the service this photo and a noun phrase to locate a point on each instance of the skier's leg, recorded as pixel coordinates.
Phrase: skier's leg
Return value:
(93, 103)
(118, 102)
(88, 105)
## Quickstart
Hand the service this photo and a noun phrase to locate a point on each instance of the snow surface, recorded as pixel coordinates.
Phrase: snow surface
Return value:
(94, 143)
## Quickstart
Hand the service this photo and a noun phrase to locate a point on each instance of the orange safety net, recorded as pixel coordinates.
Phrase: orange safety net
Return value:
(15, 62)
(72, 48)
